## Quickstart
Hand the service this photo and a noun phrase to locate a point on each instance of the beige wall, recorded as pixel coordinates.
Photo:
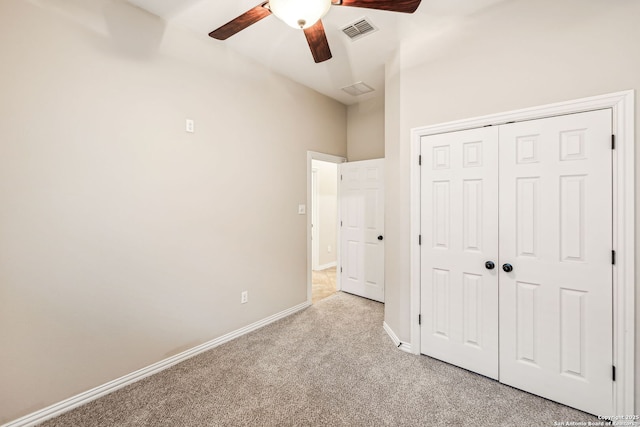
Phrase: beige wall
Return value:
(365, 130)
(123, 239)
(518, 54)
(327, 211)
(396, 207)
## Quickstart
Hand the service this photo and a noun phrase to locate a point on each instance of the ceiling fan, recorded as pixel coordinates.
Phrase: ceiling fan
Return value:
(306, 15)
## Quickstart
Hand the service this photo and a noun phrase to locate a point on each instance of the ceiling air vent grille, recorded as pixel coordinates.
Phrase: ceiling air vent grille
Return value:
(359, 28)
(358, 89)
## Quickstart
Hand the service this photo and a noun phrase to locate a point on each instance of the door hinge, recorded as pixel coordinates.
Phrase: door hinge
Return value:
(419, 319)
(420, 160)
(613, 142)
(340, 269)
(340, 177)
(613, 372)
(419, 239)
(613, 257)
(340, 223)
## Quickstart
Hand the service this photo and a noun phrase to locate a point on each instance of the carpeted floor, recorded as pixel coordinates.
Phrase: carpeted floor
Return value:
(323, 284)
(329, 365)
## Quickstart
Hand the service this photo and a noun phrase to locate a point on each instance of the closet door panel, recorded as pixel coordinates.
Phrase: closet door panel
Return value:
(556, 231)
(459, 205)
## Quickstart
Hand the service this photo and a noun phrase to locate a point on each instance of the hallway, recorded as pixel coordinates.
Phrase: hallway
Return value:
(323, 283)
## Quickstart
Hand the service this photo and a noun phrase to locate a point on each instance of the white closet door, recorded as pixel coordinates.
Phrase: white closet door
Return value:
(556, 232)
(362, 232)
(459, 227)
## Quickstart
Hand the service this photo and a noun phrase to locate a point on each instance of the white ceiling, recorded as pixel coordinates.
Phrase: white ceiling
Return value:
(285, 50)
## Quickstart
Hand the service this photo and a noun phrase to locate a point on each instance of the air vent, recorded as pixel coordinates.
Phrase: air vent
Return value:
(359, 28)
(358, 88)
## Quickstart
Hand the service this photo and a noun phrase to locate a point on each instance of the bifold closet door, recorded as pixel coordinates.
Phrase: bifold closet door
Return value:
(459, 228)
(556, 233)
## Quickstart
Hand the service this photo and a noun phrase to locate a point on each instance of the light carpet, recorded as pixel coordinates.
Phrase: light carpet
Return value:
(329, 365)
(323, 284)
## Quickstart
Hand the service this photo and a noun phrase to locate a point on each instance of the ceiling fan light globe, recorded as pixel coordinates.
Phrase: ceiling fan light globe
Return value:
(300, 13)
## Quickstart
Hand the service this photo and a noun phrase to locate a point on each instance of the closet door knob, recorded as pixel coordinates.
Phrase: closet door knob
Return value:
(489, 265)
(507, 268)
(380, 237)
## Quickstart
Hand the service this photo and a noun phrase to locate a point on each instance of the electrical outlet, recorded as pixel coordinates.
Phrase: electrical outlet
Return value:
(190, 126)
(244, 297)
(329, 248)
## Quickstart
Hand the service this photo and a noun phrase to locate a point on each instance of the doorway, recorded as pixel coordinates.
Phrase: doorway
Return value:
(323, 233)
(621, 272)
(324, 228)
(521, 232)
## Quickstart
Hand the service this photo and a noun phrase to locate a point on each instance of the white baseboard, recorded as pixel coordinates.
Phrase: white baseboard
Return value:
(325, 266)
(406, 347)
(89, 395)
(401, 345)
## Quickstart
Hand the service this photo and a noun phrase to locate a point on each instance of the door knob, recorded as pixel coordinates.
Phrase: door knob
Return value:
(489, 265)
(507, 268)
(380, 237)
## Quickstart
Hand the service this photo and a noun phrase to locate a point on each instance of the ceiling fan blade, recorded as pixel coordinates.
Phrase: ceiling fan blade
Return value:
(318, 43)
(405, 6)
(241, 22)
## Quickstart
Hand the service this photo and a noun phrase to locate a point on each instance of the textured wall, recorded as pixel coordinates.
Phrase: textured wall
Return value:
(365, 130)
(123, 239)
(517, 54)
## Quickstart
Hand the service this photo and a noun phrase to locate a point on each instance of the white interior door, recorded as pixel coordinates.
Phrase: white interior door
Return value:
(556, 232)
(549, 199)
(362, 228)
(459, 226)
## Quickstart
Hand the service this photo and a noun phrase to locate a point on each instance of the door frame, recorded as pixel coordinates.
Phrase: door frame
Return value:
(623, 204)
(315, 226)
(314, 155)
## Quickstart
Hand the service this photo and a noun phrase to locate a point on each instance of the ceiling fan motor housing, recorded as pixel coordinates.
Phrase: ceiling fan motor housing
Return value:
(300, 13)
(307, 15)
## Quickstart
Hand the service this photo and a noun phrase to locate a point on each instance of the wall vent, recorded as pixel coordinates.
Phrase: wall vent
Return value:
(359, 29)
(358, 88)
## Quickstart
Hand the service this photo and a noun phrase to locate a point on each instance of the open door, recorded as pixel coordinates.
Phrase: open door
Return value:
(362, 228)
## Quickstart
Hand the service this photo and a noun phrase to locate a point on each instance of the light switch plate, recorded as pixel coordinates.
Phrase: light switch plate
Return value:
(302, 209)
